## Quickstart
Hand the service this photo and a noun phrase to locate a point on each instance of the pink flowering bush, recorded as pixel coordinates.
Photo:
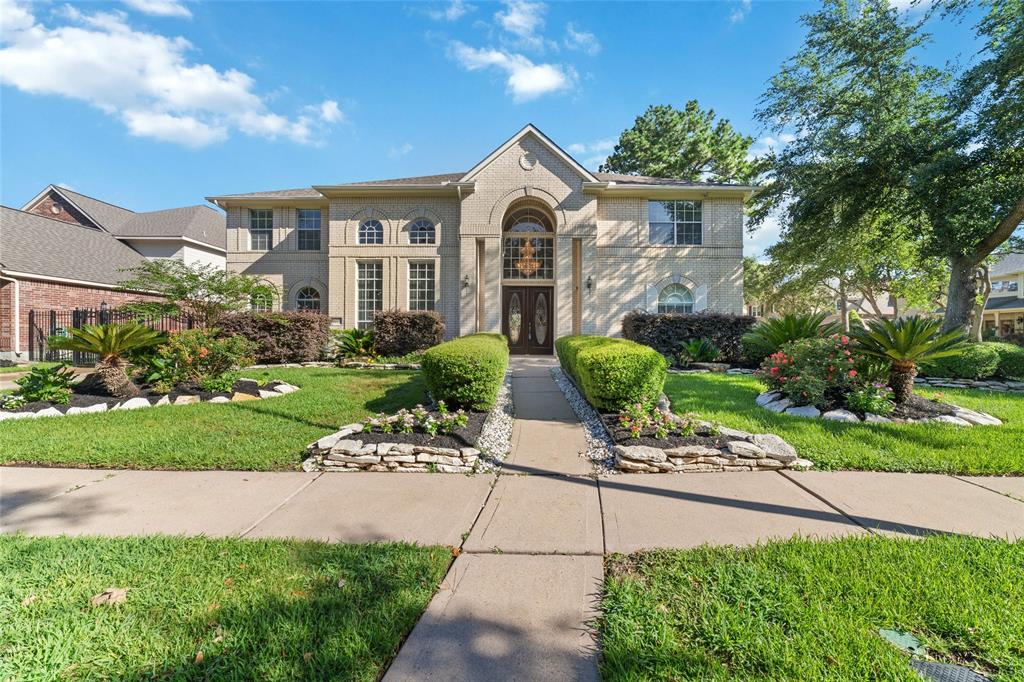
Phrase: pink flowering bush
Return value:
(819, 372)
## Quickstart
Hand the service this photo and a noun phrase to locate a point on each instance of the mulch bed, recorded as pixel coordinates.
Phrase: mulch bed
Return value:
(623, 436)
(920, 408)
(466, 437)
(84, 398)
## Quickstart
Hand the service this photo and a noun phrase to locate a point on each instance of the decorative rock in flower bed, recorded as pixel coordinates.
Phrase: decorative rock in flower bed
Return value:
(244, 389)
(354, 364)
(1007, 385)
(926, 411)
(293, 365)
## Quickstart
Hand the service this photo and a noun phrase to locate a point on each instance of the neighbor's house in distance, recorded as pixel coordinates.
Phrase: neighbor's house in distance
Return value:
(528, 242)
(64, 251)
(1004, 310)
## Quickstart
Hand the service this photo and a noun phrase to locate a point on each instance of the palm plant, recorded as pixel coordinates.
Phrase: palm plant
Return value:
(698, 350)
(903, 343)
(114, 344)
(356, 343)
(769, 335)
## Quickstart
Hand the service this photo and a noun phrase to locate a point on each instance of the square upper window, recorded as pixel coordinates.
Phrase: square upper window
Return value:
(676, 223)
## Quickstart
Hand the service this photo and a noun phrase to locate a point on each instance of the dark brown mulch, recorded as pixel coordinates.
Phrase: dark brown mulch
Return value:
(919, 408)
(622, 436)
(465, 437)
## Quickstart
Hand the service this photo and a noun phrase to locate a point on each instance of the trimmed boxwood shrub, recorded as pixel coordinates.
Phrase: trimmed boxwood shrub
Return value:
(667, 333)
(281, 336)
(976, 361)
(467, 372)
(613, 373)
(399, 332)
(1011, 360)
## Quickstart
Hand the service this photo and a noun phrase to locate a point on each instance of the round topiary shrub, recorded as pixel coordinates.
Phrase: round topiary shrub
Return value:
(1011, 360)
(976, 361)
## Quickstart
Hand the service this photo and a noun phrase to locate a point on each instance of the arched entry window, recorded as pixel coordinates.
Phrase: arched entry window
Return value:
(528, 243)
(308, 299)
(675, 298)
(371, 232)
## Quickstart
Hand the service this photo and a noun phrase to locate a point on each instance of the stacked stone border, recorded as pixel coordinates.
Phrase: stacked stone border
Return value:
(350, 364)
(744, 452)
(1007, 386)
(273, 389)
(774, 401)
(343, 451)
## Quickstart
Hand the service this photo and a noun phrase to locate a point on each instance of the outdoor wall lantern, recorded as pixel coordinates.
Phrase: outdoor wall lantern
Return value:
(465, 281)
(590, 282)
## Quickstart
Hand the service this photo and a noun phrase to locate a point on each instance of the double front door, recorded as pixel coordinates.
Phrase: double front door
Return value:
(526, 319)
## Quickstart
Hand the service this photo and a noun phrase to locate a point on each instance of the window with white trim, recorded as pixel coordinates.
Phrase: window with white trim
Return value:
(675, 299)
(676, 223)
(369, 292)
(309, 229)
(261, 229)
(308, 299)
(261, 302)
(371, 232)
(421, 285)
(422, 231)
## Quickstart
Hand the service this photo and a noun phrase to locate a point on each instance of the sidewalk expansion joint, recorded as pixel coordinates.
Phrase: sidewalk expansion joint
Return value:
(827, 503)
(985, 487)
(279, 505)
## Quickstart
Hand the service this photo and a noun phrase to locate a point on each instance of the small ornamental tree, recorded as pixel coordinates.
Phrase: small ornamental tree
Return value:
(204, 292)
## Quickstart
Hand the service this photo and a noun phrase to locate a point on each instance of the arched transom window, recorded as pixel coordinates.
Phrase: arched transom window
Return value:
(308, 298)
(528, 242)
(371, 232)
(675, 298)
(422, 231)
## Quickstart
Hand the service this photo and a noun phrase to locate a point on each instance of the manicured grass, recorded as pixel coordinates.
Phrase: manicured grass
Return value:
(252, 435)
(802, 610)
(26, 367)
(198, 608)
(729, 399)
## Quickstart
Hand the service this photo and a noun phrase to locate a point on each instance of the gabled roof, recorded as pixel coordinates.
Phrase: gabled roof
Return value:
(1012, 302)
(47, 247)
(198, 223)
(1008, 264)
(530, 129)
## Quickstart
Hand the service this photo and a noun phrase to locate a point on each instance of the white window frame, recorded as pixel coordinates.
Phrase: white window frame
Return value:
(417, 227)
(303, 229)
(264, 230)
(673, 286)
(319, 299)
(362, 320)
(676, 223)
(423, 302)
(256, 305)
(363, 232)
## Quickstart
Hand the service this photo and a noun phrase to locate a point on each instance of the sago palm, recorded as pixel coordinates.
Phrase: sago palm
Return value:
(769, 335)
(903, 343)
(114, 344)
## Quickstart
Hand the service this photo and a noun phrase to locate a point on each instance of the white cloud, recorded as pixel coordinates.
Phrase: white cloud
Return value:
(584, 41)
(770, 144)
(767, 234)
(911, 5)
(524, 20)
(160, 8)
(598, 151)
(455, 10)
(739, 11)
(525, 80)
(402, 150)
(144, 79)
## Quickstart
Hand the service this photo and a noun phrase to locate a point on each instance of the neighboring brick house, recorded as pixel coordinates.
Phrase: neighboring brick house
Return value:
(528, 242)
(65, 250)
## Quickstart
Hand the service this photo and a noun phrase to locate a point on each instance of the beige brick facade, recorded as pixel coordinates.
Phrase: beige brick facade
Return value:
(609, 219)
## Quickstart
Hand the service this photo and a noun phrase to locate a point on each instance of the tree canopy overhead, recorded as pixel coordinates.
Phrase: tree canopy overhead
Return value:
(687, 144)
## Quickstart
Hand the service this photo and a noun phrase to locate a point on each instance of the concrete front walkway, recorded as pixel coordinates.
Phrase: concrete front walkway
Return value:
(518, 601)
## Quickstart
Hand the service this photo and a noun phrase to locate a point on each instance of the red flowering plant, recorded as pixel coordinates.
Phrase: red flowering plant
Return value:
(819, 372)
(198, 356)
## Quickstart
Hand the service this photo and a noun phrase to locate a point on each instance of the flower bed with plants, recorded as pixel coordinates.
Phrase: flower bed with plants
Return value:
(467, 374)
(139, 368)
(865, 376)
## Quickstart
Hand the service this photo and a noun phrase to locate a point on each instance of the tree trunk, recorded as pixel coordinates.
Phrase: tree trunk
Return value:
(901, 380)
(960, 298)
(115, 380)
(983, 279)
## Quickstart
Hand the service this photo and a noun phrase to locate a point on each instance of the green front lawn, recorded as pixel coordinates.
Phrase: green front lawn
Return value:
(943, 448)
(802, 610)
(251, 435)
(11, 369)
(198, 608)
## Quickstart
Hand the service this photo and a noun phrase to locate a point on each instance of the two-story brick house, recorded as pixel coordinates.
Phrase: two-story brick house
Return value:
(527, 242)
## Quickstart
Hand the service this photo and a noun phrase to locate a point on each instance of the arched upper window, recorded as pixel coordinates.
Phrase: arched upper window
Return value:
(528, 245)
(528, 218)
(261, 302)
(422, 231)
(675, 298)
(308, 298)
(371, 232)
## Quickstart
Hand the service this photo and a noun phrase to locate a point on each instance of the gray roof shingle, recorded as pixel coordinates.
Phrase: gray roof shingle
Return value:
(1004, 303)
(1010, 263)
(44, 246)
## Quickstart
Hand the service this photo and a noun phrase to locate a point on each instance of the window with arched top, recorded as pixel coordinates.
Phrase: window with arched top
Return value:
(675, 299)
(528, 241)
(371, 232)
(422, 231)
(261, 302)
(308, 299)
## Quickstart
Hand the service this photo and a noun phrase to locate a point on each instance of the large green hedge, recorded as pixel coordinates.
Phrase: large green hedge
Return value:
(467, 372)
(612, 373)
(975, 361)
(1011, 360)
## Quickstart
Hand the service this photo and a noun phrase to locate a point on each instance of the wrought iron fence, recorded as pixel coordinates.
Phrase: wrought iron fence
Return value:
(43, 324)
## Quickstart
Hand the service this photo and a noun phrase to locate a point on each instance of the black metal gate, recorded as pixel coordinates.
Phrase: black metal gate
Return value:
(43, 324)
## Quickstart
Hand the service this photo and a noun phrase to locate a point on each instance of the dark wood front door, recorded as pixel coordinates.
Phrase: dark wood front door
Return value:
(526, 319)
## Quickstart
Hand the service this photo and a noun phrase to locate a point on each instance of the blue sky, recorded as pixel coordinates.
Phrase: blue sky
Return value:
(159, 103)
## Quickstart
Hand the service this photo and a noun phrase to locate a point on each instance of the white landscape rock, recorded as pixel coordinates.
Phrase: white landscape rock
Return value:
(775, 447)
(804, 411)
(872, 418)
(769, 397)
(98, 407)
(640, 453)
(950, 419)
(745, 449)
(779, 405)
(978, 418)
(840, 416)
(219, 399)
(49, 412)
(134, 404)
